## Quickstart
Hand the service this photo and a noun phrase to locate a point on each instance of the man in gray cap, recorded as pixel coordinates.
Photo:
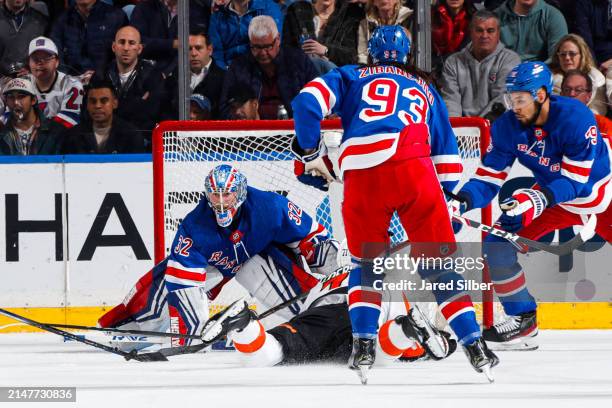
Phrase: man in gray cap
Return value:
(27, 132)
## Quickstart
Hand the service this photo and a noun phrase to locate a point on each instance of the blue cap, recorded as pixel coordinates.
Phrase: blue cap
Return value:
(202, 101)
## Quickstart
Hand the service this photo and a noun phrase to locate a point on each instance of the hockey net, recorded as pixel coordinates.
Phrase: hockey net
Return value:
(184, 152)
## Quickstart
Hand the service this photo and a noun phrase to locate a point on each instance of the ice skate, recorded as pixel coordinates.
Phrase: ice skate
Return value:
(235, 317)
(362, 357)
(515, 333)
(481, 358)
(438, 344)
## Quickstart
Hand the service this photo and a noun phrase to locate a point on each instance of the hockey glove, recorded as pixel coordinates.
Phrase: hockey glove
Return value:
(314, 168)
(456, 205)
(523, 207)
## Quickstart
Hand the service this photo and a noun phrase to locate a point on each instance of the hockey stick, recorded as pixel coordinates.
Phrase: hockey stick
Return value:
(110, 330)
(587, 232)
(128, 356)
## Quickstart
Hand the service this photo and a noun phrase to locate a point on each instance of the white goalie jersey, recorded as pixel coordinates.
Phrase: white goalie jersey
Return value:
(62, 102)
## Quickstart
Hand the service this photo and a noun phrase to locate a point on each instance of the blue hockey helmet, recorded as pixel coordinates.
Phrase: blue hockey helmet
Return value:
(389, 44)
(529, 77)
(226, 190)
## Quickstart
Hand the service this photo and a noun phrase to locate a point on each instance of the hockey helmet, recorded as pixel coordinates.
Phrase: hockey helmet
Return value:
(389, 44)
(529, 77)
(225, 190)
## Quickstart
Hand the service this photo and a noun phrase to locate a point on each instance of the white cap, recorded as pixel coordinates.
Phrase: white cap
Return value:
(42, 44)
(20, 85)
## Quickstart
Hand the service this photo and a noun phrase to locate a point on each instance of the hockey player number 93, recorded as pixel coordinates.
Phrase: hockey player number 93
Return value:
(382, 95)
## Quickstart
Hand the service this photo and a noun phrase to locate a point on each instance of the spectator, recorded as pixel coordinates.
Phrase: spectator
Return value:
(573, 53)
(229, 26)
(326, 30)
(19, 23)
(594, 24)
(531, 28)
(59, 95)
(474, 79)
(450, 27)
(493, 4)
(138, 85)
(199, 108)
(27, 132)
(157, 22)
(275, 75)
(380, 12)
(206, 75)
(243, 103)
(84, 34)
(578, 85)
(103, 132)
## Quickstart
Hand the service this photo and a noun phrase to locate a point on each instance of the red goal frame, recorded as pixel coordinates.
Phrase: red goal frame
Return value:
(483, 126)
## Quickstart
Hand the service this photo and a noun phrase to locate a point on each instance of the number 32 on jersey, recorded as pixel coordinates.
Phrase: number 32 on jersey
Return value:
(382, 94)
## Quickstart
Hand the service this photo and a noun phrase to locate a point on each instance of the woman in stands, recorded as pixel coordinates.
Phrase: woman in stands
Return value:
(572, 52)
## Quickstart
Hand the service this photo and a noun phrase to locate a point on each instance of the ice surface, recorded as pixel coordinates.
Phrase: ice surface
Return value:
(571, 369)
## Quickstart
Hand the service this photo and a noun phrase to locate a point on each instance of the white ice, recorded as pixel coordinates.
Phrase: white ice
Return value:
(571, 369)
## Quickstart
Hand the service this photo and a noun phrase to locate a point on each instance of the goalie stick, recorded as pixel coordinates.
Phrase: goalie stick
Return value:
(166, 334)
(159, 355)
(587, 232)
(128, 356)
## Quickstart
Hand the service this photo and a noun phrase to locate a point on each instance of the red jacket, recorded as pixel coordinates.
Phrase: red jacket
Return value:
(448, 33)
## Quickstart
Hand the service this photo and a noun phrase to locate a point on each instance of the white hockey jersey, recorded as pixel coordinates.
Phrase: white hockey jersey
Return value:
(62, 102)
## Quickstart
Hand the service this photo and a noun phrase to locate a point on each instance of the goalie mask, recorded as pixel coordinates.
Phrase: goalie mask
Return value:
(225, 189)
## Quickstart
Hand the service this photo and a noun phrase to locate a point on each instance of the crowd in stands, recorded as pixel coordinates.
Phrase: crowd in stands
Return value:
(96, 76)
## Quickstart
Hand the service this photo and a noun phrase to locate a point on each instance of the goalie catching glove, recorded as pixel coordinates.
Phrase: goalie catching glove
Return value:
(314, 168)
(522, 208)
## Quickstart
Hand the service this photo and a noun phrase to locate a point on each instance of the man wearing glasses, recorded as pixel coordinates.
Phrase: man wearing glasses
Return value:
(59, 95)
(276, 75)
(579, 86)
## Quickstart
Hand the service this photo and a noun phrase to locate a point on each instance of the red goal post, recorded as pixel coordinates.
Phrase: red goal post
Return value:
(184, 151)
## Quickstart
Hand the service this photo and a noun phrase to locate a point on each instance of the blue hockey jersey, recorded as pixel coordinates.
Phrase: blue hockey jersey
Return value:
(375, 105)
(265, 219)
(568, 157)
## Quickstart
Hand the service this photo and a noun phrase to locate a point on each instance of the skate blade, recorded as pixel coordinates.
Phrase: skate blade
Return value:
(435, 344)
(488, 372)
(363, 374)
(522, 344)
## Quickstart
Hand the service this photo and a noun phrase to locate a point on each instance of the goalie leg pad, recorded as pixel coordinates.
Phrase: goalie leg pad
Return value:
(144, 306)
(188, 310)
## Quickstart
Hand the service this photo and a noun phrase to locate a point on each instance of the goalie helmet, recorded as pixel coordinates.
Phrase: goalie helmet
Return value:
(226, 190)
(529, 77)
(389, 44)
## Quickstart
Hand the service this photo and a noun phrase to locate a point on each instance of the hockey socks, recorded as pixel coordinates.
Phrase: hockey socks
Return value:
(257, 348)
(457, 308)
(364, 302)
(508, 277)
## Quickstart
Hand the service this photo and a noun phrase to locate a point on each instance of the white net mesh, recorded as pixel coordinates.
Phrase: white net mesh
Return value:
(263, 155)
